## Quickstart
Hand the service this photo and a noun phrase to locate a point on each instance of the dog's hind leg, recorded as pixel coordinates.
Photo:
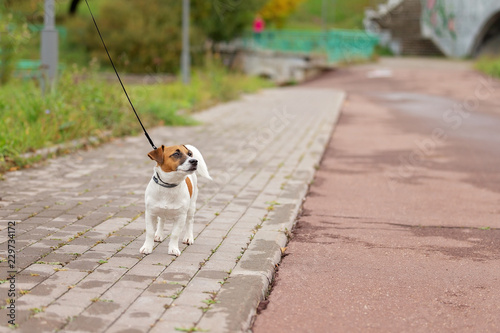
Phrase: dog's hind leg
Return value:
(147, 248)
(160, 233)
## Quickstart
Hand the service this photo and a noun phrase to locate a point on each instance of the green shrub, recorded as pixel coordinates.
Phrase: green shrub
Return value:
(145, 36)
(142, 37)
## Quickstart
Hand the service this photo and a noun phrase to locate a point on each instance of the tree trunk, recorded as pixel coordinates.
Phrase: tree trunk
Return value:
(73, 6)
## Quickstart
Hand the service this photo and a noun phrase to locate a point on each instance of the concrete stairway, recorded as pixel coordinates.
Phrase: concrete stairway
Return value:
(398, 23)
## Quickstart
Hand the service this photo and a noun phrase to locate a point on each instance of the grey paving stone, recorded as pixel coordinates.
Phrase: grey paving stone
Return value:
(178, 316)
(224, 264)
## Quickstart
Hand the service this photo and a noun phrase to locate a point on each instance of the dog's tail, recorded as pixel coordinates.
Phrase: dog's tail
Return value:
(202, 166)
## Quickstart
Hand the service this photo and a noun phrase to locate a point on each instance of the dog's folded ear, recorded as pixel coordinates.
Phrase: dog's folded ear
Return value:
(157, 154)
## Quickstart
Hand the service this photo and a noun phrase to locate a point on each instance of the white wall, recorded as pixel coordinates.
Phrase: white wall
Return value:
(454, 25)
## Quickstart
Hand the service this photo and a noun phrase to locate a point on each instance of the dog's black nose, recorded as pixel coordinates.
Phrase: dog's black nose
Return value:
(193, 161)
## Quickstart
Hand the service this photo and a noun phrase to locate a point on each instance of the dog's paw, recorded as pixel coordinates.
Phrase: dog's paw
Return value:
(188, 240)
(146, 249)
(174, 251)
(159, 237)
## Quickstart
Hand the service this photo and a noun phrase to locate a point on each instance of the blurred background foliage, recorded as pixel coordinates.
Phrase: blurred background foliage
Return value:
(18, 34)
(224, 20)
(276, 12)
(142, 36)
(339, 14)
(145, 36)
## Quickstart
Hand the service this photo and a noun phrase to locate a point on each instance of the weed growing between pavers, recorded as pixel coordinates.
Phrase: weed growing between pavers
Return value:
(211, 300)
(34, 311)
(271, 205)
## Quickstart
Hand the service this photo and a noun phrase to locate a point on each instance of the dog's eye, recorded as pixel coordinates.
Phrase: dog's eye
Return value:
(176, 154)
(190, 153)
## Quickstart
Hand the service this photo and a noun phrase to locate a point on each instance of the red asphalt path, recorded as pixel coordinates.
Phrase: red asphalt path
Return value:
(400, 230)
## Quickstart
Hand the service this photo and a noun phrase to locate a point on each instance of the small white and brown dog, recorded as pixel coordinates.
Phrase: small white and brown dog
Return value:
(171, 195)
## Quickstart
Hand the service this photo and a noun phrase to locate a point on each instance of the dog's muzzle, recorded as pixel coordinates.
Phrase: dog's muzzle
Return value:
(194, 164)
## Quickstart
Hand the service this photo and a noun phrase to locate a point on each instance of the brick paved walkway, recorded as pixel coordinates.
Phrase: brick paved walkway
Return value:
(80, 222)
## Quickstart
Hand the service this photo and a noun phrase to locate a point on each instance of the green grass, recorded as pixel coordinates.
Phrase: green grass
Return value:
(84, 106)
(489, 66)
(340, 14)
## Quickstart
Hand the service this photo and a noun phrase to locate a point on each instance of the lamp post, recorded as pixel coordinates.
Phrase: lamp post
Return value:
(49, 47)
(185, 61)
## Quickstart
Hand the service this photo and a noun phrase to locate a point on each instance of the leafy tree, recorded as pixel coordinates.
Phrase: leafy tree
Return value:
(221, 20)
(225, 20)
(140, 37)
(277, 11)
(146, 36)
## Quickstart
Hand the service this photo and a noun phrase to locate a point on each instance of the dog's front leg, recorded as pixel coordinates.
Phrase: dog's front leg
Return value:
(188, 237)
(160, 234)
(173, 245)
(147, 248)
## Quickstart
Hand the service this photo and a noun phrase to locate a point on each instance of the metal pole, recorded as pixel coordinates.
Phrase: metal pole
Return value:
(49, 47)
(185, 60)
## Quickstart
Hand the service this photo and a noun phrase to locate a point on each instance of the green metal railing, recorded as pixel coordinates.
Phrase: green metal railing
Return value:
(28, 68)
(25, 68)
(338, 45)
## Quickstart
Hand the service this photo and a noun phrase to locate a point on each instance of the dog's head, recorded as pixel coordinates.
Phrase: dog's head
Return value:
(174, 158)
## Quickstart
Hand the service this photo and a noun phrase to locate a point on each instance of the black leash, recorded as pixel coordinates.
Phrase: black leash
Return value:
(118, 76)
